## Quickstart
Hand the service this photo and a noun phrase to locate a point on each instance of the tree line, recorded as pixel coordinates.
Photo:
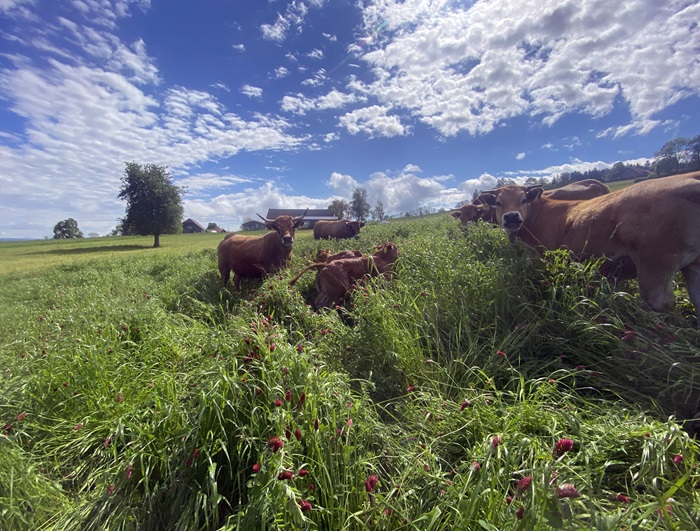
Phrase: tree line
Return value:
(358, 207)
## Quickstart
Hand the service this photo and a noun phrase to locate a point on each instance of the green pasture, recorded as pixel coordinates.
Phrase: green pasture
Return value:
(482, 387)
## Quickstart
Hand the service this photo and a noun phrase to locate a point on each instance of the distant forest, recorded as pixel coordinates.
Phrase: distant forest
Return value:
(680, 155)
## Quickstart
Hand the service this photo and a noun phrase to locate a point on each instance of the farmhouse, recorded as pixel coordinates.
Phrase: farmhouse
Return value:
(311, 217)
(189, 226)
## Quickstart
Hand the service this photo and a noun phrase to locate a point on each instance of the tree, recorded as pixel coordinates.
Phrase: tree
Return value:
(68, 228)
(669, 157)
(359, 207)
(153, 202)
(378, 212)
(339, 207)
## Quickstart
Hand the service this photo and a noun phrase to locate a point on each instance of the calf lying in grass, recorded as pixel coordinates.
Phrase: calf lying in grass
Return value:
(323, 255)
(335, 278)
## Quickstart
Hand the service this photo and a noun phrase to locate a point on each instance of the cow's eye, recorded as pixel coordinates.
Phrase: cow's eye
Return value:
(497, 203)
(524, 200)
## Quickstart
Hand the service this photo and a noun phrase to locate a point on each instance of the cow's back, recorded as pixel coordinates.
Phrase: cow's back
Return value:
(585, 189)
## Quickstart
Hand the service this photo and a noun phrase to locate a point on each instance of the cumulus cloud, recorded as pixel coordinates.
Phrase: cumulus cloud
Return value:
(520, 156)
(471, 68)
(374, 121)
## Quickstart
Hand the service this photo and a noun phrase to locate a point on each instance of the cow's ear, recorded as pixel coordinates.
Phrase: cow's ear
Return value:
(298, 223)
(271, 226)
(534, 193)
(487, 198)
(456, 213)
(362, 223)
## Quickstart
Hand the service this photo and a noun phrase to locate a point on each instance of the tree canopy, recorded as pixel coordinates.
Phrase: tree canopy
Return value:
(153, 202)
(68, 228)
(339, 207)
(359, 207)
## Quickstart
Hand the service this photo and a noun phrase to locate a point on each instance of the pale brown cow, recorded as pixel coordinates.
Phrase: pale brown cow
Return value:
(655, 224)
(324, 255)
(584, 189)
(340, 229)
(257, 256)
(336, 278)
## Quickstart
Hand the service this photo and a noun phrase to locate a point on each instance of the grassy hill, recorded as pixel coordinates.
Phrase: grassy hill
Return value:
(482, 387)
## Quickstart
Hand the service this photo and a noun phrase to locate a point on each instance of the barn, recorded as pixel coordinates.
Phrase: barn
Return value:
(189, 226)
(311, 217)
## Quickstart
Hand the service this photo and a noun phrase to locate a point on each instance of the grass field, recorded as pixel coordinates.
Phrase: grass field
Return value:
(481, 388)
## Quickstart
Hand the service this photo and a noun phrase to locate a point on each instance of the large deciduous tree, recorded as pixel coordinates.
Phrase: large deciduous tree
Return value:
(153, 202)
(68, 228)
(359, 207)
(339, 207)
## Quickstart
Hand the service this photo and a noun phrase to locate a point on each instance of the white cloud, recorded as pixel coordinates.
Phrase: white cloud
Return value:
(292, 19)
(251, 91)
(373, 121)
(471, 68)
(520, 156)
(342, 184)
(315, 54)
(281, 72)
(238, 47)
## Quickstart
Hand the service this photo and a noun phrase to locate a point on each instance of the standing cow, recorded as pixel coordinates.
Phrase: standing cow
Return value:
(257, 256)
(337, 277)
(654, 224)
(340, 229)
(584, 189)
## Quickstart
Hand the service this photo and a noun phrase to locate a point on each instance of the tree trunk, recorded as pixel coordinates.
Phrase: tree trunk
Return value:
(156, 242)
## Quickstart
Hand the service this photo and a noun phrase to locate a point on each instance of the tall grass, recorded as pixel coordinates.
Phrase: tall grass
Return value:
(137, 393)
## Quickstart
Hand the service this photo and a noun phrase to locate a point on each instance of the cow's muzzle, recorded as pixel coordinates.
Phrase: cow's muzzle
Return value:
(287, 240)
(512, 221)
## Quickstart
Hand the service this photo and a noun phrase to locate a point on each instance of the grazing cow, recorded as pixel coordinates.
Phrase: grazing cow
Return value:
(257, 256)
(340, 229)
(334, 279)
(323, 255)
(654, 224)
(585, 189)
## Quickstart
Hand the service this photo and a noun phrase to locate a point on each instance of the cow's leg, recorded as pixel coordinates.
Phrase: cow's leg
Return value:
(656, 282)
(236, 281)
(225, 275)
(691, 273)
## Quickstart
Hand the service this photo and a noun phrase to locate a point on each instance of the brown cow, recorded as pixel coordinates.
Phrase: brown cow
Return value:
(323, 255)
(257, 256)
(334, 279)
(340, 229)
(585, 189)
(655, 224)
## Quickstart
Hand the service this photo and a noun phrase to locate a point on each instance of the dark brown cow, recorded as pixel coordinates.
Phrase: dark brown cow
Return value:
(257, 256)
(334, 279)
(585, 189)
(655, 224)
(340, 229)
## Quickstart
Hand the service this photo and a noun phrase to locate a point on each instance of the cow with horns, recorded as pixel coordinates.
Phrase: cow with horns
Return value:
(258, 256)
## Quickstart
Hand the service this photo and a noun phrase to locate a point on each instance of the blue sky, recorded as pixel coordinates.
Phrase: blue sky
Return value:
(257, 104)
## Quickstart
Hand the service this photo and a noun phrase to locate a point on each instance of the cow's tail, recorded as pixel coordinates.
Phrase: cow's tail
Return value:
(317, 265)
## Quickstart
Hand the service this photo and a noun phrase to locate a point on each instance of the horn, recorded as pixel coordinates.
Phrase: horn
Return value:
(304, 214)
(264, 219)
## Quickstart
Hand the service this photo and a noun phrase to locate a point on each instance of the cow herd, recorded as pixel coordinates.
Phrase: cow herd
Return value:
(649, 231)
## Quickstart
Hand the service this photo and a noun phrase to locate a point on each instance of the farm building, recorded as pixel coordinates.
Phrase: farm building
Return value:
(253, 225)
(311, 217)
(190, 226)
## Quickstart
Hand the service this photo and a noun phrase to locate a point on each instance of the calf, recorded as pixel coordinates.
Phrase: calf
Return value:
(335, 279)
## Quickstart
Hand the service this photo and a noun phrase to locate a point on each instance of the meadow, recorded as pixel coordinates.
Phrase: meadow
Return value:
(483, 387)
